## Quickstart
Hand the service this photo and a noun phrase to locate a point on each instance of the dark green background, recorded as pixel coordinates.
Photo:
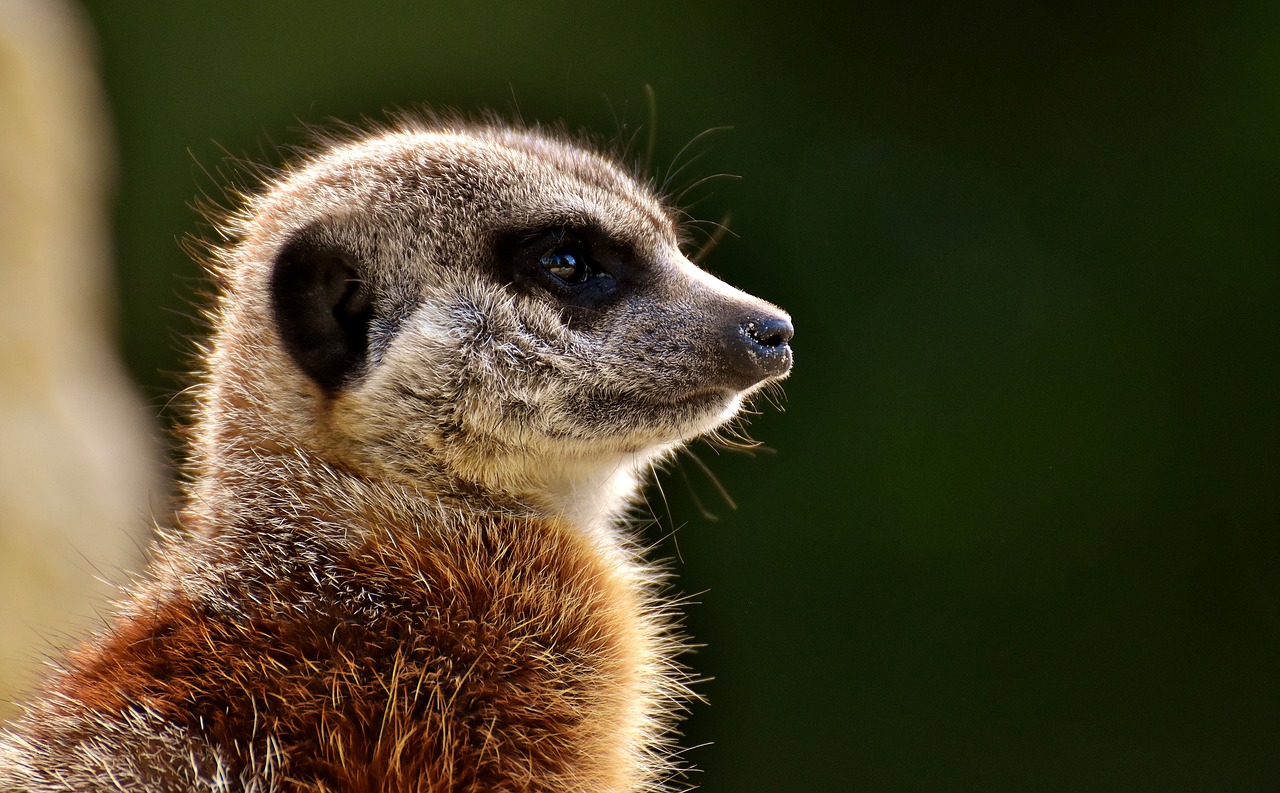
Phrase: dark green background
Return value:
(1020, 528)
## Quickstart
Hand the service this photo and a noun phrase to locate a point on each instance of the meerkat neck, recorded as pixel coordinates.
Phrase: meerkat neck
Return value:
(592, 495)
(244, 472)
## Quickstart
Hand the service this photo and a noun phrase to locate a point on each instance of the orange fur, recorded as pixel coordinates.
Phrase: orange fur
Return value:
(463, 684)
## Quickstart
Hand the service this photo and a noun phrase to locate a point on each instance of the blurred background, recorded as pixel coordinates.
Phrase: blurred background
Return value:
(1019, 526)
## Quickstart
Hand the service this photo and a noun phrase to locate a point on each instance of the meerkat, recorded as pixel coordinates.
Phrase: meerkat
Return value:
(445, 356)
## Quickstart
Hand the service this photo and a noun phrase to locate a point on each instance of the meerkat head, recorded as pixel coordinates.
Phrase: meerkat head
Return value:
(497, 306)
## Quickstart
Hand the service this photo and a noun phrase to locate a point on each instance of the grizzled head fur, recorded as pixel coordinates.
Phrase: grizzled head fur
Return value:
(478, 308)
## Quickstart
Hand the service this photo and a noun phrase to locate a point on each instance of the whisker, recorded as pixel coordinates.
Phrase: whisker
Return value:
(713, 239)
(724, 493)
(695, 139)
(652, 100)
(679, 199)
(693, 494)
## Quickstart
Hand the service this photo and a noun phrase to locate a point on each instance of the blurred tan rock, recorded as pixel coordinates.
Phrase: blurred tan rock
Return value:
(77, 451)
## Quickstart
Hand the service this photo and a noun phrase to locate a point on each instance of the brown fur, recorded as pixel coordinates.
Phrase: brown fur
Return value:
(419, 698)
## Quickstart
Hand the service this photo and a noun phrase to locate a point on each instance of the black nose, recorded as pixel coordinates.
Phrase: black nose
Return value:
(764, 349)
(769, 334)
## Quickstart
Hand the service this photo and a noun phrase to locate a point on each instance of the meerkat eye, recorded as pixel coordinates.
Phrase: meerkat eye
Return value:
(568, 265)
(578, 268)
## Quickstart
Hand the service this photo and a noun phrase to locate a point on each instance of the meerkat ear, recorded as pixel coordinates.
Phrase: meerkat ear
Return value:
(322, 309)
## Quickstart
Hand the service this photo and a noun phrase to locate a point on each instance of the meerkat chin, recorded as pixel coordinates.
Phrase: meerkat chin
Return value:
(444, 358)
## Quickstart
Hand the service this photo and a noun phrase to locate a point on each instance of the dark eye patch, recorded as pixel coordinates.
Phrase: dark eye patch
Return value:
(579, 267)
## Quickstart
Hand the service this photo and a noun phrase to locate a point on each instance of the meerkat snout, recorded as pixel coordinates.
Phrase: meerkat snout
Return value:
(762, 348)
(769, 337)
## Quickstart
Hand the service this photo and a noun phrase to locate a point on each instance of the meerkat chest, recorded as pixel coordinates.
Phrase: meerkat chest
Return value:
(500, 654)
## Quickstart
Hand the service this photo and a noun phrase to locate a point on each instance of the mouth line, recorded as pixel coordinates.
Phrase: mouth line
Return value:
(699, 395)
